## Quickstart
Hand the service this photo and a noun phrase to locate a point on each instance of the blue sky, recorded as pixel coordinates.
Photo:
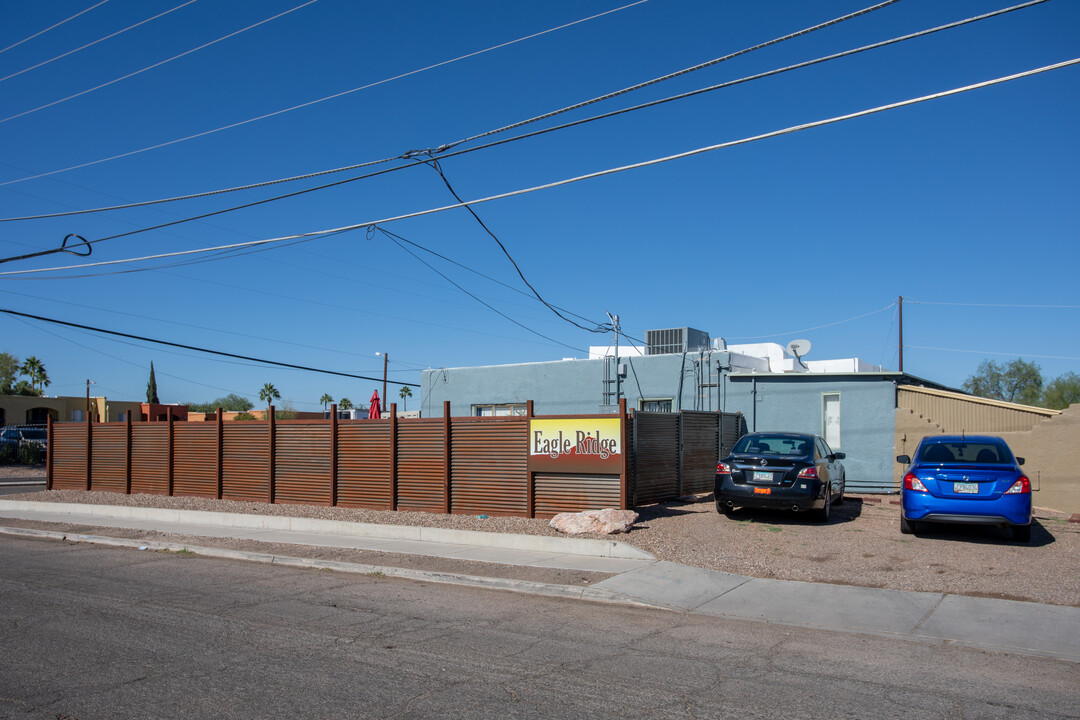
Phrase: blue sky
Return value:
(967, 206)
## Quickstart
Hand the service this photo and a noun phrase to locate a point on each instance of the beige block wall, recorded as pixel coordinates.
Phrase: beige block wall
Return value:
(1051, 451)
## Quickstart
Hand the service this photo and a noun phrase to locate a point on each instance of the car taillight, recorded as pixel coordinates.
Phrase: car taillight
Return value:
(1020, 487)
(808, 473)
(911, 482)
(722, 469)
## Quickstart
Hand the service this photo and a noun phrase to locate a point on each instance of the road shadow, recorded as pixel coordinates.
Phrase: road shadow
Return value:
(849, 511)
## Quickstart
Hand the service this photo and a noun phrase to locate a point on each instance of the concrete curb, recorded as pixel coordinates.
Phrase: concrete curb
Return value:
(571, 592)
(506, 541)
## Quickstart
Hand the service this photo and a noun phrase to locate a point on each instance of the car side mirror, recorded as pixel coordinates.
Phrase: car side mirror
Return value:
(839, 456)
(1019, 461)
(903, 459)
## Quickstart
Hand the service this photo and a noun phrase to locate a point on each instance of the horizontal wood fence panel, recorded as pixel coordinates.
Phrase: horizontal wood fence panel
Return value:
(67, 456)
(555, 493)
(149, 458)
(656, 457)
(302, 463)
(421, 459)
(108, 466)
(489, 466)
(195, 464)
(364, 465)
(245, 461)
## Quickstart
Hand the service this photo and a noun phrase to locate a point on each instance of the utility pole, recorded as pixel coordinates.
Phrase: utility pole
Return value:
(385, 361)
(88, 383)
(618, 379)
(901, 324)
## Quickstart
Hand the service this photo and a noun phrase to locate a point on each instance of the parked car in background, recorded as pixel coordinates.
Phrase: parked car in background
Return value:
(971, 479)
(779, 470)
(16, 437)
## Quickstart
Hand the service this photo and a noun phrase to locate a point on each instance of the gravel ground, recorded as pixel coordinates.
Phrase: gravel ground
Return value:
(861, 544)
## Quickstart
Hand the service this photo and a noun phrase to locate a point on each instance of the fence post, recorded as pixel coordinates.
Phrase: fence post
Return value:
(446, 456)
(220, 454)
(169, 431)
(530, 483)
(270, 429)
(89, 446)
(627, 448)
(393, 456)
(127, 453)
(680, 430)
(333, 454)
(50, 442)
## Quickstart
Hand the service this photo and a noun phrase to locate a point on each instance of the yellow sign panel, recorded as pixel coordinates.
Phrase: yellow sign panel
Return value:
(575, 441)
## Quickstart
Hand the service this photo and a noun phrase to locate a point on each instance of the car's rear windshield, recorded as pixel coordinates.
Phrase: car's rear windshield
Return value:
(773, 445)
(965, 452)
(34, 434)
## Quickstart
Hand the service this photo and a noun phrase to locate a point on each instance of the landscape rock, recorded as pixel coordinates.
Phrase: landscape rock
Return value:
(605, 522)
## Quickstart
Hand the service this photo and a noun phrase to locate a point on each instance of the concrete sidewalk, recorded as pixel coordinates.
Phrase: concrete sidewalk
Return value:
(1004, 625)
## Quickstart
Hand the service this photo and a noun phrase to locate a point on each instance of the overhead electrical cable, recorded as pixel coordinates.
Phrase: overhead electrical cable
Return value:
(579, 178)
(53, 27)
(991, 352)
(1000, 305)
(597, 327)
(394, 238)
(193, 347)
(816, 327)
(158, 64)
(99, 40)
(456, 153)
(315, 102)
(492, 132)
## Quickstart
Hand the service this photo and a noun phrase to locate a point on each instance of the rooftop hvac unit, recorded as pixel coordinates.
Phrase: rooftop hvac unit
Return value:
(675, 340)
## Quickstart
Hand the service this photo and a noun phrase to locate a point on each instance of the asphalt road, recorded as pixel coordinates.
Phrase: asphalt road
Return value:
(93, 632)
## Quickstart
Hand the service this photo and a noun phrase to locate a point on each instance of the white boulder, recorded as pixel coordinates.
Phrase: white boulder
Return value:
(605, 522)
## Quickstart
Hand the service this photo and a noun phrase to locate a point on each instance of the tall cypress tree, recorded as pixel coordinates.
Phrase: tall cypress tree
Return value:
(151, 387)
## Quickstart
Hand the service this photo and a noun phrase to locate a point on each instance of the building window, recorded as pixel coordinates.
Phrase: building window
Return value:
(830, 419)
(76, 415)
(499, 410)
(655, 404)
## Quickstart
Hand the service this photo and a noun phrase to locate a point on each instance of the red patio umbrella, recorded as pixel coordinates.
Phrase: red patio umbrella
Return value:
(373, 411)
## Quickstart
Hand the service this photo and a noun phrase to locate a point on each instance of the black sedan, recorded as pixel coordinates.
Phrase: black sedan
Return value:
(778, 470)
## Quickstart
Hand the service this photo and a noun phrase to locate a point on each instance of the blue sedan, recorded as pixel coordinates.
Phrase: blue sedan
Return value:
(966, 479)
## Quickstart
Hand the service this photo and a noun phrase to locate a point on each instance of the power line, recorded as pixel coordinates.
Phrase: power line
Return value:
(157, 64)
(99, 40)
(442, 148)
(53, 27)
(193, 347)
(315, 102)
(413, 154)
(579, 178)
(816, 327)
(991, 352)
(1001, 305)
(394, 238)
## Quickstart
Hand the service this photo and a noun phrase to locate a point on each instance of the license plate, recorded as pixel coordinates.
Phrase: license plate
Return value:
(760, 476)
(969, 488)
(762, 491)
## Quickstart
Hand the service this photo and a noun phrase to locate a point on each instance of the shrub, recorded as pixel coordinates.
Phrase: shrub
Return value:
(31, 455)
(8, 454)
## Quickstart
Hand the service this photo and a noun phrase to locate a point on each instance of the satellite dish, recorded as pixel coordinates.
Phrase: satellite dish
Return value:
(799, 348)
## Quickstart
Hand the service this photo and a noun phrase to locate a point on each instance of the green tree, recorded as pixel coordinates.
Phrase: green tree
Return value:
(232, 402)
(35, 370)
(268, 394)
(405, 393)
(325, 400)
(244, 416)
(1062, 391)
(9, 371)
(345, 404)
(1017, 381)
(151, 387)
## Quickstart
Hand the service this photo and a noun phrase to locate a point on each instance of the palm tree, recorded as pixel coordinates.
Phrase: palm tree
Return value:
(345, 404)
(35, 370)
(325, 400)
(405, 393)
(269, 393)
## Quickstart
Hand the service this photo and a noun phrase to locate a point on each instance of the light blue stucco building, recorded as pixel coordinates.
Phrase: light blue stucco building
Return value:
(853, 409)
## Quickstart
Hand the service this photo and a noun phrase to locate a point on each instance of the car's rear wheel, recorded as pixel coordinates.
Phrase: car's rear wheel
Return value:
(1021, 533)
(906, 527)
(825, 513)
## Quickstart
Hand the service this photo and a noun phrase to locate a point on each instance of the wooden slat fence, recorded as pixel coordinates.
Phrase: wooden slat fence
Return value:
(464, 465)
